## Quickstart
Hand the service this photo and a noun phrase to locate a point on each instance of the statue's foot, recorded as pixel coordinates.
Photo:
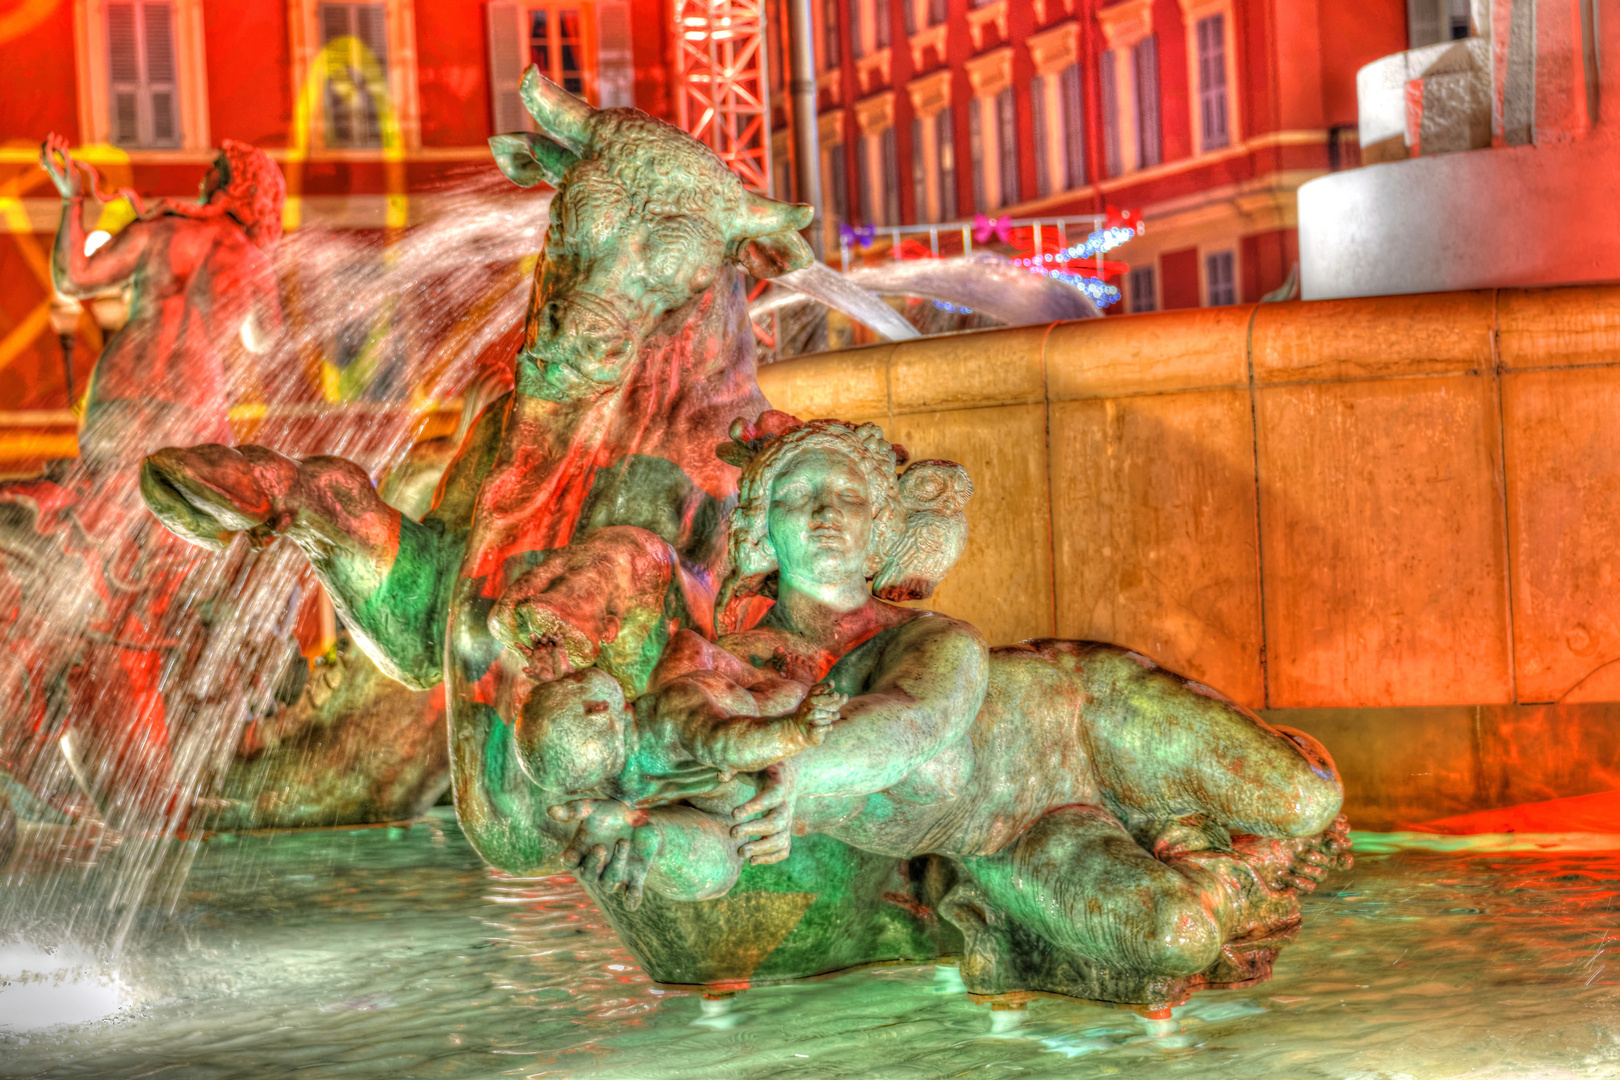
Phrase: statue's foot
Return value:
(1297, 864)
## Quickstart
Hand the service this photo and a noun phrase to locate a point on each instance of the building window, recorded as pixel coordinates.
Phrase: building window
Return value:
(936, 12)
(919, 172)
(1220, 279)
(981, 195)
(1007, 146)
(1054, 101)
(1141, 284)
(889, 176)
(1145, 65)
(838, 168)
(1429, 22)
(584, 49)
(857, 28)
(1108, 84)
(881, 23)
(143, 89)
(354, 41)
(945, 138)
(1212, 126)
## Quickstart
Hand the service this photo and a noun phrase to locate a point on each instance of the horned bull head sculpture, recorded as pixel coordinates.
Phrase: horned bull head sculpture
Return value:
(645, 220)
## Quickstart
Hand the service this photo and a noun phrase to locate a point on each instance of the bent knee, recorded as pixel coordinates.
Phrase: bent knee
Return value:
(1185, 939)
(1315, 793)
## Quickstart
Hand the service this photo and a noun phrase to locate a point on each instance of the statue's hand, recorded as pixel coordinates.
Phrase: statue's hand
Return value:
(819, 711)
(64, 171)
(614, 845)
(766, 820)
(207, 493)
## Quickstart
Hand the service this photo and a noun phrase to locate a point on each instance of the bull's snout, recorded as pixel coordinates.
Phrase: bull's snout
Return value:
(582, 345)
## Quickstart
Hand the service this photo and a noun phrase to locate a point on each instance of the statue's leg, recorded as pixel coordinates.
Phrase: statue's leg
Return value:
(1076, 906)
(1078, 881)
(1165, 747)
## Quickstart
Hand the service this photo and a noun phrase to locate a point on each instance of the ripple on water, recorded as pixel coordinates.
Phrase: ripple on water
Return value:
(397, 954)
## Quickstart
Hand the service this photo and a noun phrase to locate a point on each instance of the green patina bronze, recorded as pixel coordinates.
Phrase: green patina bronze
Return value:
(670, 626)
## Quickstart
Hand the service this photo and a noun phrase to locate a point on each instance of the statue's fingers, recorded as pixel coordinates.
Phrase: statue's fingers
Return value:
(761, 826)
(767, 850)
(577, 810)
(597, 861)
(618, 868)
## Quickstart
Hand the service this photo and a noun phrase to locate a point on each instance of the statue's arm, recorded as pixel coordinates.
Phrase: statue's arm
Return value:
(79, 276)
(387, 575)
(923, 696)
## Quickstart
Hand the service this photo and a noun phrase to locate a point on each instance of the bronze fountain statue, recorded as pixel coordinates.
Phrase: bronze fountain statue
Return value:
(669, 624)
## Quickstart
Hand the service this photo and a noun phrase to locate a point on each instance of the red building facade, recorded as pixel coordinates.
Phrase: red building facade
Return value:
(1206, 115)
(369, 108)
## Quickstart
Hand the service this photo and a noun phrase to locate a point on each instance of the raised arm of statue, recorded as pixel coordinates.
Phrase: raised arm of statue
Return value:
(389, 576)
(922, 696)
(74, 273)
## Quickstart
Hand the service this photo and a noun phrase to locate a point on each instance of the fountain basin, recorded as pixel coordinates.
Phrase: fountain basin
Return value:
(396, 953)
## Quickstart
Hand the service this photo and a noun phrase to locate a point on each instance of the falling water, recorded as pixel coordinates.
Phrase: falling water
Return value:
(377, 330)
(819, 281)
(967, 291)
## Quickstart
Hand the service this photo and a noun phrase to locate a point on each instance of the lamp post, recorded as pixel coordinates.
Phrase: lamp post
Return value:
(806, 143)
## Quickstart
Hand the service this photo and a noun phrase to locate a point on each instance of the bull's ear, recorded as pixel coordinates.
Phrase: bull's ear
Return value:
(775, 254)
(527, 158)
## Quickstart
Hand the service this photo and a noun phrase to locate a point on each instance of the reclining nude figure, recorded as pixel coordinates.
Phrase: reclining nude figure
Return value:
(1085, 794)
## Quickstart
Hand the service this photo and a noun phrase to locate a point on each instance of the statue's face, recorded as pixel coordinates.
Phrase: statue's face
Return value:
(216, 178)
(820, 518)
(613, 267)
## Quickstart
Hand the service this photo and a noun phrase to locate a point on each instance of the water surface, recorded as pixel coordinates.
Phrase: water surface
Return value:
(395, 953)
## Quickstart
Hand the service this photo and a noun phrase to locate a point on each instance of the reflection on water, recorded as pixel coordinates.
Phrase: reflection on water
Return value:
(395, 953)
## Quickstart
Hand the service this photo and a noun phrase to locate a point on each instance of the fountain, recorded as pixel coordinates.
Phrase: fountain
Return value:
(576, 561)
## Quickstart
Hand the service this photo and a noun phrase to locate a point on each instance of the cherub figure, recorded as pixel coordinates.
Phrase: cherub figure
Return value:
(1082, 795)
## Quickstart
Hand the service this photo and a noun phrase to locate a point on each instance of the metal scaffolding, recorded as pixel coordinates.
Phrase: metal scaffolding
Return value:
(722, 93)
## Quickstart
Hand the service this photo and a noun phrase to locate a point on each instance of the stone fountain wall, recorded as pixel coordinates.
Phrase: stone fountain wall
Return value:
(1388, 521)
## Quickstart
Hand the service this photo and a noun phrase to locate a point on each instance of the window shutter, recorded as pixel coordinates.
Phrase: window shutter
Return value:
(981, 175)
(1007, 146)
(1073, 127)
(505, 25)
(863, 175)
(919, 173)
(838, 163)
(1146, 56)
(142, 74)
(889, 156)
(162, 78)
(615, 62)
(1108, 84)
(1212, 82)
(123, 74)
(1043, 135)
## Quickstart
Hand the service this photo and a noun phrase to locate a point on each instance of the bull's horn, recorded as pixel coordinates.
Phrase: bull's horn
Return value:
(762, 217)
(560, 114)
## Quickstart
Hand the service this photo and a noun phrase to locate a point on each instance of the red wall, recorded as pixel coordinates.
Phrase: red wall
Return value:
(248, 59)
(453, 73)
